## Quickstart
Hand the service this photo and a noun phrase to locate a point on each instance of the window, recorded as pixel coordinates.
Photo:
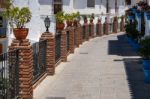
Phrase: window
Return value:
(57, 6)
(90, 3)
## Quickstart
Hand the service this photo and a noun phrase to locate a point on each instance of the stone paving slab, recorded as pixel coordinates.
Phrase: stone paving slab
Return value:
(97, 70)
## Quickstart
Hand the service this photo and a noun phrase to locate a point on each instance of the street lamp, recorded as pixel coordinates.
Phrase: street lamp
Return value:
(47, 23)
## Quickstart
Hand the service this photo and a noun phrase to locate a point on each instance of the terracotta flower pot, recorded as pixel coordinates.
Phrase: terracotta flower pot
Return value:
(91, 20)
(20, 33)
(85, 21)
(60, 26)
(69, 23)
(75, 22)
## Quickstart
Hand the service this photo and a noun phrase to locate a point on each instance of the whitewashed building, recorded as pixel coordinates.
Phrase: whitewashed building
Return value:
(42, 8)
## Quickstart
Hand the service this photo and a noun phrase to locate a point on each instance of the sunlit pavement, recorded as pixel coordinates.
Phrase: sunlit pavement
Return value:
(101, 68)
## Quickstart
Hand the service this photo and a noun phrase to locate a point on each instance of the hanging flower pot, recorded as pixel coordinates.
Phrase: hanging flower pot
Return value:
(20, 33)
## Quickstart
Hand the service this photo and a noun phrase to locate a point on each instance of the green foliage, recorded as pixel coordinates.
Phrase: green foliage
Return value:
(132, 32)
(69, 17)
(145, 48)
(17, 16)
(60, 17)
(72, 16)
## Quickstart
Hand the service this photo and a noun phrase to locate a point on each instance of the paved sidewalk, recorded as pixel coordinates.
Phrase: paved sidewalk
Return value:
(102, 68)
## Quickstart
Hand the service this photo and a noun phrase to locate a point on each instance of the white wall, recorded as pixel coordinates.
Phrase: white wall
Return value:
(81, 6)
(100, 6)
(40, 9)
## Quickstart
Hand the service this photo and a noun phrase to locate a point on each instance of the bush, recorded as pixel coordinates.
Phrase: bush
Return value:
(145, 48)
(132, 32)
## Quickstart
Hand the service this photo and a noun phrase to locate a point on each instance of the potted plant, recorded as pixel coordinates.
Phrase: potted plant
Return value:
(76, 18)
(145, 54)
(60, 17)
(91, 17)
(85, 19)
(69, 19)
(133, 34)
(17, 18)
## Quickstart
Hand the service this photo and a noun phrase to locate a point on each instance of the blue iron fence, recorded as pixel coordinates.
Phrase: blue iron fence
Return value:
(57, 47)
(39, 59)
(9, 75)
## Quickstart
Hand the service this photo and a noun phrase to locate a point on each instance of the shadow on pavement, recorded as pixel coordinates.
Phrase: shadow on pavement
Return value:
(135, 77)
(120, 47)
(133, 67)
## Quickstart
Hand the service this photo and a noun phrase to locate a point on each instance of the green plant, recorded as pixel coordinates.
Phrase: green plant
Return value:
(60, 17)
(145, 48)
(69, 17)
(92, 16)
(131, 31)
(72, 16)
(16, 16)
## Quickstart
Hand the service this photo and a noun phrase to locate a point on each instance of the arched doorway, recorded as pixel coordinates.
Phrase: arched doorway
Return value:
(1, 48)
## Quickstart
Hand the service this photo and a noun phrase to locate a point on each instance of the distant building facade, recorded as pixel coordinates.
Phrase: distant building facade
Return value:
(42, 8)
